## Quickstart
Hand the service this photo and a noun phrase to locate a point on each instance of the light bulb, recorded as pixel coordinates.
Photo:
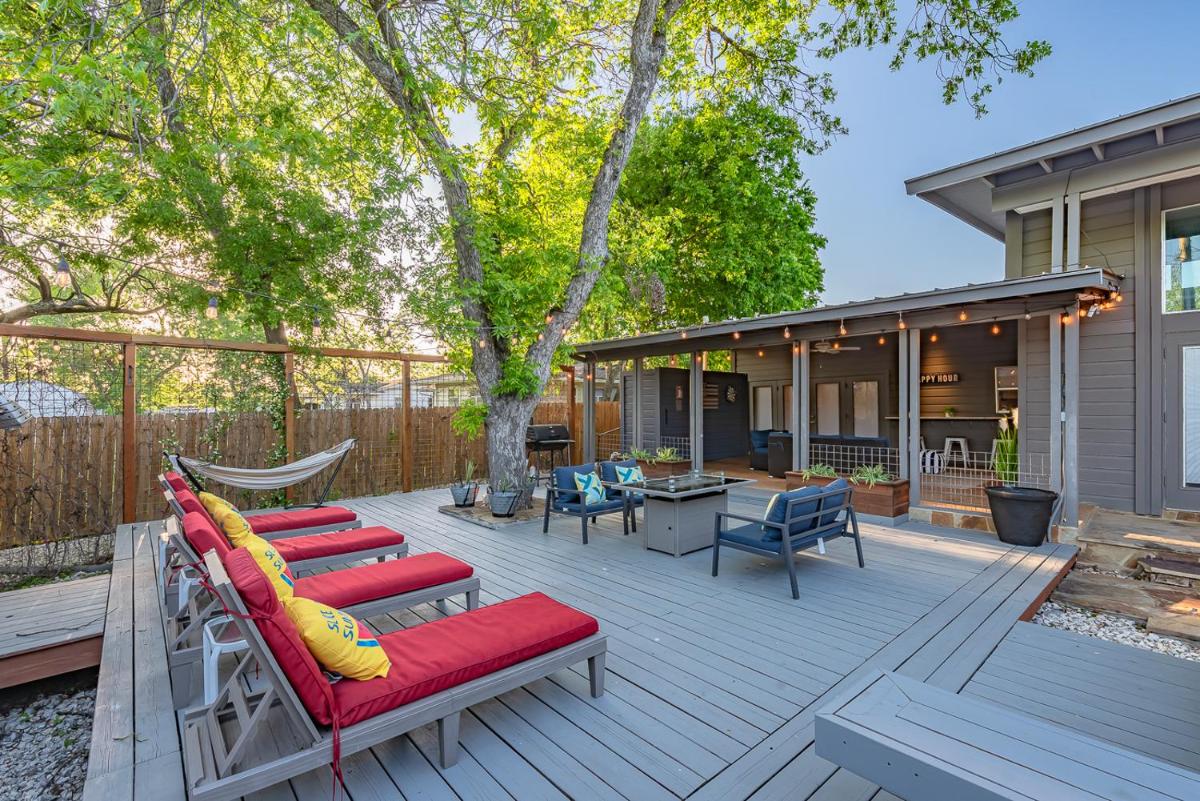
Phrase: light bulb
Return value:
(211, 311)
(837, 345)
(787, 332)
(882, 340)
(962, 315)
(842, 328)
(902, 325)
(933, 337)
(995, 329)
(1066, 318)
(316, 331)
(482, 344)
(683, 334)
(737, 335)
(62, 273)
(760, 353)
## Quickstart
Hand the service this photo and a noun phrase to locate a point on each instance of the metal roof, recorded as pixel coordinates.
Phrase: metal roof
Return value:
(965, 190)
(701, 337)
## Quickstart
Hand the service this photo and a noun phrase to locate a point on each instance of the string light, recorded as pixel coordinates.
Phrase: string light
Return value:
(842, 328)
(62, 273)
(837, 345)
(962, 315)
(316, 330)
(796, 349)
(1082, 312)
(882, 339)
(683, 334)
(549, 319)
(760, 353)
(1028, 316)
(211, 311)
(482, 344)
(1066, 318)
(902, 325)
(995, 328)
(787, 332)
(737, 335)
(933, 337)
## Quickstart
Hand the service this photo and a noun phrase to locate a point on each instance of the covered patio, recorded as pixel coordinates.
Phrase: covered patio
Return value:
(920, 384)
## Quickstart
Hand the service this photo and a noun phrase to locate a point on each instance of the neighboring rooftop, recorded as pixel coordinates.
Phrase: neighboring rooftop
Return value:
(966, 190)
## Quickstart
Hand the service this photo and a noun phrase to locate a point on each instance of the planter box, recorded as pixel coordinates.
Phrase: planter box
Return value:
(664, 469)
(885, 499)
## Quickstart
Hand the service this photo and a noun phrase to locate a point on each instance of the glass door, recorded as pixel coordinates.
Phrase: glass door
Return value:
(829, 409)
(1181, 429)
(764, 403)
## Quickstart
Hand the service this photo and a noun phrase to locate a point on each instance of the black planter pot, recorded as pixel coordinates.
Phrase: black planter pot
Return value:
(1021, 514)
(504, 503)
(464, 494)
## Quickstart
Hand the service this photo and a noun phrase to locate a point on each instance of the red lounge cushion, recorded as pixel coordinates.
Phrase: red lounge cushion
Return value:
(175, 481)
(202, 535)
(445, 653)
(336, 543)
(299, 518)
(280, 634)
(342, 588)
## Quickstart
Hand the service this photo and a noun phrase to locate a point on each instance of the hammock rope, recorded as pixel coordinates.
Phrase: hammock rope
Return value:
(270, 478)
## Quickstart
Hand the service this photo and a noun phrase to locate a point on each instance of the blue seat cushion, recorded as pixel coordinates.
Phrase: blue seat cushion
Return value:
(833, 501)
(592, 508)
(778, 507)
(608, 472)
(751, 534)
(759, 438)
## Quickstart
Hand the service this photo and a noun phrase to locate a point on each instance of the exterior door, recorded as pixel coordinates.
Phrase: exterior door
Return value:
(1181, 422)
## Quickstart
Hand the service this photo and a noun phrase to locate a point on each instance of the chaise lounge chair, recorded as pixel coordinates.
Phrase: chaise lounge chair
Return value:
(438, 669)
(794, 520)
(267, 523)
(197, 630)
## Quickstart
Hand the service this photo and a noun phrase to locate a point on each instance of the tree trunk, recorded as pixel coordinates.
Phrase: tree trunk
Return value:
(507, 419)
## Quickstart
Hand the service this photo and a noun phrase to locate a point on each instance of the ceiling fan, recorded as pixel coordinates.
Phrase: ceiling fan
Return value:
(825, 346)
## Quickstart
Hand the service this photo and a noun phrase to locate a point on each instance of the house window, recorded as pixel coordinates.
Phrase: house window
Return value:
(764, 417)
(1181, 259)
(829, 412)
(866, 408)
(1191, 416)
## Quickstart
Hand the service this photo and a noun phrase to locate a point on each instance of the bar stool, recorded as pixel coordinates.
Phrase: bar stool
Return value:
(948, 450)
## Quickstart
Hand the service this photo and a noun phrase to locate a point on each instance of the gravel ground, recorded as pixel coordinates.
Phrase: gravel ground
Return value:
(44, 742)
(1113, 627)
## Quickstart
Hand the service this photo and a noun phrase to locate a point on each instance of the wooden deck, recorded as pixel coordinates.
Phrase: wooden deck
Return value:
(712, 684)
(51, 629)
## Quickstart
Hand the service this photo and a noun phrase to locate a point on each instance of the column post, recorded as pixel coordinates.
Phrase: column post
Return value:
(1056, 398)
(696, 413)
(289, 415)
(902, 393)
(1070, 507)
(129, 470)
(569, 377)
(639, 433)
(914, 416)
(800, 371)
(407, 461)
(589, 413)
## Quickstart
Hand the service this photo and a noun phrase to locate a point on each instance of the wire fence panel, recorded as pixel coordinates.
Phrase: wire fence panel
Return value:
(60, 472)
(845, 459)
(959, 479)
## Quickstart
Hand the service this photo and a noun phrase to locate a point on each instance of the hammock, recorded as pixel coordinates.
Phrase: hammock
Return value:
(270, 478)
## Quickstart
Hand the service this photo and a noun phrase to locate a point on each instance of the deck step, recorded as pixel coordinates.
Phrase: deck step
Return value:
(1176, 624)
(1135, 599)
(1117, 540)
(1178, 572)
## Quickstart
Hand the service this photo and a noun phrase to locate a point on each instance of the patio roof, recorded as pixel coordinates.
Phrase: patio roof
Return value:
(967, 190)
(1034, 294)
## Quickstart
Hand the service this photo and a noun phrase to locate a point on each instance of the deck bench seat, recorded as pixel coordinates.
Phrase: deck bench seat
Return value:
(919, 741)
(337, 543)
(271, 522)
(369, 582)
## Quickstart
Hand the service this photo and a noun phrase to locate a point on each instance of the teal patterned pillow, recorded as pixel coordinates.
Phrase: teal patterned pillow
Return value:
(628, 475)
(589, 484)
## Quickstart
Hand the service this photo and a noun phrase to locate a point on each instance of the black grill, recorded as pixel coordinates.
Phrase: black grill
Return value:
(551, 438)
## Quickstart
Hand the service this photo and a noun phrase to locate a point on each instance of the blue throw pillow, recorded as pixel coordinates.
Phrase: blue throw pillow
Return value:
(627, 475)
(777, 512)
(833, 501)
(589, 484)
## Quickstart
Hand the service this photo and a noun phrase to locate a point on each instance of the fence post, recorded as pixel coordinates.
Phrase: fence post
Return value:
(129, 471)
(406, 438)
(289, 414)
(569, 372)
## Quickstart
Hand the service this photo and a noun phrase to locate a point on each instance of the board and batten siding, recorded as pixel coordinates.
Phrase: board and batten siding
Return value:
(1035, 242)
(1034, 431)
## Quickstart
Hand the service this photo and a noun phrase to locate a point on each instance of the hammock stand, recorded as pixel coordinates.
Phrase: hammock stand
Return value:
(270, 478)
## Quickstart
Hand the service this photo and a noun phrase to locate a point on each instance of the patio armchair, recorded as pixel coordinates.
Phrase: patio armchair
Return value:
(794, 520)
(562, 497)
(632, 498)
(759, 440)
(263, 731)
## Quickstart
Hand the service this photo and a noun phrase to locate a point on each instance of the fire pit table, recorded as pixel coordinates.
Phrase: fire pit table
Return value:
(680, 509)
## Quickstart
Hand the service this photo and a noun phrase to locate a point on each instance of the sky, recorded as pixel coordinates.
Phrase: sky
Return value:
(1110, 57)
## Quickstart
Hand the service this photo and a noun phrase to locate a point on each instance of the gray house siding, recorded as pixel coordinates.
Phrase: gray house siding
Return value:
(1035, 242)
(1107, 414)
(1034, 431)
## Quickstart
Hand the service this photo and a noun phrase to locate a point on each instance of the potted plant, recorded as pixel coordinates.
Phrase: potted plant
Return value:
(878, 492)
(1021, 515)
(465, 491)
(950, 411)
(504, 499)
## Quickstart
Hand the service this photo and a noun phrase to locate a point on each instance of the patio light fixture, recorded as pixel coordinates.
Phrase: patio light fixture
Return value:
(787, 332)
(902, 325)
(316, 332)
(882, 339)
(737, 335)
(842, 328)
(1066, 318)
(962, 315)
(995, 328)
(211, 311)
(933, 337)
(62, 273)
(760, 353)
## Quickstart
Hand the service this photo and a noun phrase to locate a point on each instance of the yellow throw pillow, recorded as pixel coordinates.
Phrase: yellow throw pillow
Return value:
(335, 639)
(272, 564)
(228, 519)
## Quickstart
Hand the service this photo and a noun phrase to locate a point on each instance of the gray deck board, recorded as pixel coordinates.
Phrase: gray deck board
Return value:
(52, 614)
(713, 683)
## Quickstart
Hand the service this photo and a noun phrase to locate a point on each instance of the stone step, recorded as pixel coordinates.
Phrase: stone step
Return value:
(1175, 624)
(1118, 540)
(1123, 596)
(1180, 572)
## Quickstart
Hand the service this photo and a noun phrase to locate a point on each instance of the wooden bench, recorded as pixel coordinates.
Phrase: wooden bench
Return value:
(921, 742)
